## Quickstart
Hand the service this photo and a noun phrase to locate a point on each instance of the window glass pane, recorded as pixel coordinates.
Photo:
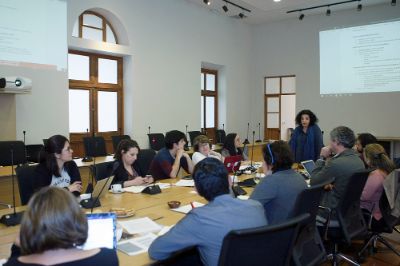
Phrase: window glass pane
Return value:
(271, 85)
(110, 35)
(202, 111)
(92, 34)
(75, 30)
(107, 105)
(289, 85)
(202, 81)
(78, 67)
(210, 112)
(78, 111)
(273, 104)
(272, 120)
(92, 20)
(108, 71)
(210, 82)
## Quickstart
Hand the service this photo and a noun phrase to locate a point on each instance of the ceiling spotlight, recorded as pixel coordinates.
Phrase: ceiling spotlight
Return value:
(393, 3)
(241, 15)
(359, 7)
(225, 8)
(207, 2)
(328, 12)
(301, 16)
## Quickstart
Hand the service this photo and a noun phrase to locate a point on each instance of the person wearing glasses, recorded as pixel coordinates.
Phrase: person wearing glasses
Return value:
(281, 185)
(202, 150)
(57, 167)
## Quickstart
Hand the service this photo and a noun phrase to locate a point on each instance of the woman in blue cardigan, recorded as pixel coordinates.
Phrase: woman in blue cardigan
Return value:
(306, 142)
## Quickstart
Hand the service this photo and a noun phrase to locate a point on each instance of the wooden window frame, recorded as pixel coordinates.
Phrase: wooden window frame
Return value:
(104, 24)
(207, 93)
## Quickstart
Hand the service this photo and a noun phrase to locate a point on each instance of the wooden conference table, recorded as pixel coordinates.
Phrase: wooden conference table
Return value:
(153, 206)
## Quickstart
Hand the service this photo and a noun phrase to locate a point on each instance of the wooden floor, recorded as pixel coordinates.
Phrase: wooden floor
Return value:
(383, 257)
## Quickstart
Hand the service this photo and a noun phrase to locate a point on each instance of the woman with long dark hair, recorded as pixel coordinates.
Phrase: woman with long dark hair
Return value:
(306, 142)
(232, 147)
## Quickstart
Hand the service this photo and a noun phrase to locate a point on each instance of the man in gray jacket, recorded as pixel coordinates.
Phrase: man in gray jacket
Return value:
(338, 160)
(205, 227)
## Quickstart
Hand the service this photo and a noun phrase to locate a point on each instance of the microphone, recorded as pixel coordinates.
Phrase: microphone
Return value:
(92, 203)
(259, 132)
(252, 168)
(87, 158)
(149, 129)
(246, 141)
(223, 127)
(26, 152)
(186, 147)
(15, 217)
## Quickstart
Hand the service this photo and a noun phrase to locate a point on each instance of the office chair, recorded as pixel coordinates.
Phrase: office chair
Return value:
(309, 248)
(386, 225)
(349, 222)
(185, 257)
(193, 135)
(94, 146)
(266, 245)
(220, 136)
(117, 139)
(33, 152)
(102, 170)
(144, 159)
(156, 141)
(26, 179)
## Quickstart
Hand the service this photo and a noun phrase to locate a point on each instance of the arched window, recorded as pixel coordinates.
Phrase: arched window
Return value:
(95, 85)
(93, 26)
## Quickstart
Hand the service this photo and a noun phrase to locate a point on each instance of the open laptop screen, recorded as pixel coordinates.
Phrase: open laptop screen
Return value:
(308, 166)
(101, 231)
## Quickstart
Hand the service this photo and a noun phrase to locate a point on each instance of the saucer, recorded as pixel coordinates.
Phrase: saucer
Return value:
(117, 192)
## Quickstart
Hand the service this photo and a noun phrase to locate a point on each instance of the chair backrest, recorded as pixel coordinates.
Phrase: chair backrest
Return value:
(33, 152)
(12, 152)
(266, 245)
(220, 136)
(309, 248)
(156, 141)
(95, 146)
(102, 170)
(384, 206)
(144, 159)
(117, 139)
(193, 135)
(348, 211)
(26, 179)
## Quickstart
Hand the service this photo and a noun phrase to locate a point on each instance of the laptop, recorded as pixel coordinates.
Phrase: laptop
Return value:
(102, 231)
(100, 189)
(232, 163)
(308, 167)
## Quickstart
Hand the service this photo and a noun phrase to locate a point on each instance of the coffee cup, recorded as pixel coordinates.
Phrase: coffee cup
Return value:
(116, 188)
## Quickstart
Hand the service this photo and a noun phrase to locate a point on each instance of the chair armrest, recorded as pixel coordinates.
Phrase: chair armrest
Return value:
(328, 220)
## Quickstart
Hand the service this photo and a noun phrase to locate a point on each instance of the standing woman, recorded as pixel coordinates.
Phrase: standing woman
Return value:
(376, 158)
(126, 173)
(58, 169)
(306, 142)
(232, 147)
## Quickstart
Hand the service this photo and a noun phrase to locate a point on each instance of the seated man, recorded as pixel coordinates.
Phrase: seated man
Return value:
(337, 160)
(167, 162)
(205, 227)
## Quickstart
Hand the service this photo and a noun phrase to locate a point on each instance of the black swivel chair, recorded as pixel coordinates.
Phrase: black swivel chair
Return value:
(102, 170)
(156, 141)
(309, 248)
(33, 152)
(193, 135)
(144, 159)
(220, 136)
(266, 245)
(349, 222)
(386, 225)
(94, 146)
(117, 139)
(26, 179)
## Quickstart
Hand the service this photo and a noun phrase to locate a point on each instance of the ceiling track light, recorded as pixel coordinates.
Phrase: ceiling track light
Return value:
(301, 16)
(207, 2)
(393, 3)
(225, 8)
(359, 7)
(328, 12)
(241, 15)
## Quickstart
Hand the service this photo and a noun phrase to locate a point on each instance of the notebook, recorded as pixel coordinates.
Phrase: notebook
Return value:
(308, 167)
(101, 231)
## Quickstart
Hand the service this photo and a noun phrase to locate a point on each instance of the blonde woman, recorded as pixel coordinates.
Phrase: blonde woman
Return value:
(202, 150)
(377, 159)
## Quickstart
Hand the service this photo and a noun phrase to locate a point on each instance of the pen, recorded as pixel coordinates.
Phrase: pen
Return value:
(191, 204)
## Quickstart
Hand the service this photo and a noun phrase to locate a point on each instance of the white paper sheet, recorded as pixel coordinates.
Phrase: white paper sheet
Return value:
(140, 226)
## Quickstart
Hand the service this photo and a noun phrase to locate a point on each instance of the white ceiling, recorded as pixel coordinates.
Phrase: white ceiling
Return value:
(267, 10)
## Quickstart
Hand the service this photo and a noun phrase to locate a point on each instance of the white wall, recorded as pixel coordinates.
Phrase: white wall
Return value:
(292, 47)
(169, 40)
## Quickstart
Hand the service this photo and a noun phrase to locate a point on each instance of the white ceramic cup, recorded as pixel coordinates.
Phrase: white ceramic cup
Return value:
(116, 188)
